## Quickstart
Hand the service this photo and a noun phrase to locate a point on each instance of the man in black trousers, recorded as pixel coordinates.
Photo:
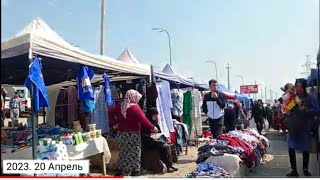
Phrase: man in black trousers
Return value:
(213, 106)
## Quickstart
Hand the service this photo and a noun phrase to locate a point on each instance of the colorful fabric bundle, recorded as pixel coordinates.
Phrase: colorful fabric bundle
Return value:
(206, 169)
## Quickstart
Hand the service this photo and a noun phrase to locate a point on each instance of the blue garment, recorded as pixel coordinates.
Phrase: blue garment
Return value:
(85, 91)
(85, 74)
(35, 79)
(87, 105)
(99, 115)
(107, 90)
(206, 169)
(301, 140)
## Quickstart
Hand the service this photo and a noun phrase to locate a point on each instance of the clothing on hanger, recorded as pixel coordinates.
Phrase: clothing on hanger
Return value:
(177, 102)
(152, 95)
(142, 89)
(187, 108)
(72, 104)
(196, 115)
(164, 105)
(99, 115)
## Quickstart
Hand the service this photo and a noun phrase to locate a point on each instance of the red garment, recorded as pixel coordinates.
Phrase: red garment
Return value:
(134, 121)
(173, 137)
(236, 142)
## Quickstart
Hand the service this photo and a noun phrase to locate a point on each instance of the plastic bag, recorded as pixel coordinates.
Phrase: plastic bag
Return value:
(266, 125)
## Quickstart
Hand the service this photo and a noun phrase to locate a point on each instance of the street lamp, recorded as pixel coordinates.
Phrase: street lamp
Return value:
(215, 66)
(163, 30)
(242, 81)
(240, 76)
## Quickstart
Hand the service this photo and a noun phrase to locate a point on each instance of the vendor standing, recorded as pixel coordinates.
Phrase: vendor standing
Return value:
(130, 118)
(213, 106)
(15, 104)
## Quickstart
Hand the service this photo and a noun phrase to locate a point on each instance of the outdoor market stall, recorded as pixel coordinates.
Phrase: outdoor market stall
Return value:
(59, 62)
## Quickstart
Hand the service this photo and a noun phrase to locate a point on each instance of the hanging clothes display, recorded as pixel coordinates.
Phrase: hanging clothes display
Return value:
(72, 104)
(107, 91)
(177, 102)
(196, 114)
(152, 95)
(187, 108)
(53, 92)
(99, 115)
(164, 105)
(142, 89)
(85, 91)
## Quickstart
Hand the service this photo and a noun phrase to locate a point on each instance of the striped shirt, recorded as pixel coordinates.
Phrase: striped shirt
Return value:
(15, 103)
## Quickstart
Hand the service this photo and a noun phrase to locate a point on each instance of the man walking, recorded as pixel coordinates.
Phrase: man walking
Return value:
(213, 105)
(258, 113)
(15, 104)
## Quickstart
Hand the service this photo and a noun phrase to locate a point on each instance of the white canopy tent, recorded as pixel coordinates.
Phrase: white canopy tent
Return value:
(127, 56)
(38, 38)
(169, 70)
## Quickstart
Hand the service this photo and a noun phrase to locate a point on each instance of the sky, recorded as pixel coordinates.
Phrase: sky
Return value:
(263, 40)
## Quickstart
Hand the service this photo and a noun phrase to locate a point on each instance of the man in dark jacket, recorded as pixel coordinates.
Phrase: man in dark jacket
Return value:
(230, 118)
(258, 113)
(213, 106)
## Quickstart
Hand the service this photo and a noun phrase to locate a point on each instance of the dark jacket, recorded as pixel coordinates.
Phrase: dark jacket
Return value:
(207, 97)
(258, 113)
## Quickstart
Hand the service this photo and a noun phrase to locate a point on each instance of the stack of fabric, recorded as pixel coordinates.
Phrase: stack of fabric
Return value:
(206, 169)
(230, 150)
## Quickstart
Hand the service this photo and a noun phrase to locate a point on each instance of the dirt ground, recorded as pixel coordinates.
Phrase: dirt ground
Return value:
(185, 164)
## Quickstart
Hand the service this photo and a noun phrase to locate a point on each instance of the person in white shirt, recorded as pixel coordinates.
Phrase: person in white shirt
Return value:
(213, 105)
(15, 104)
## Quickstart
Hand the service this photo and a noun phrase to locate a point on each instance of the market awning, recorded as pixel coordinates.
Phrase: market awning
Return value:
(184, 81)
(227, 93)
(60, 59)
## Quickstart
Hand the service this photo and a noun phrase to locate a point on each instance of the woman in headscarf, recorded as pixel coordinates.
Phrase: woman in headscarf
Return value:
(160, 144)
(300, 121)
(130, 120)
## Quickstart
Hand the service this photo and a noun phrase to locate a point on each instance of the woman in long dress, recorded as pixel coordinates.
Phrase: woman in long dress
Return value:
(130, 120)
(299, 123)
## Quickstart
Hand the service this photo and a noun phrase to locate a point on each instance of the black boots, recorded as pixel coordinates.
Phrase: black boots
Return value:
(293, 162)
(293, 173)
(306, 172)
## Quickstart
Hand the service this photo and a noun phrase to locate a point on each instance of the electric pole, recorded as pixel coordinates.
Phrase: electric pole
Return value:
(102, 27)
(307, 65)
(228, 69)
(271, 96)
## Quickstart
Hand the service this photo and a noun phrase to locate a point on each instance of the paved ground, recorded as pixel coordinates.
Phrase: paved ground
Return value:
(279, 165)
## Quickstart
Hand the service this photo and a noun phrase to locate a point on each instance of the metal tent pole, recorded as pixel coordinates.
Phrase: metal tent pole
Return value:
(34, 120)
